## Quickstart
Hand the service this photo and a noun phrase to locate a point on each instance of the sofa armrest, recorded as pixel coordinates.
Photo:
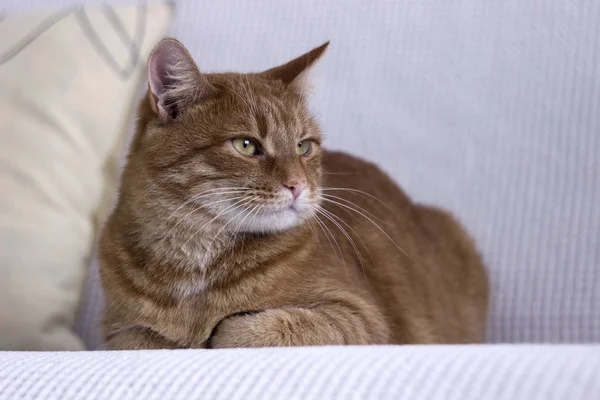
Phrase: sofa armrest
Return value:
(381, 372)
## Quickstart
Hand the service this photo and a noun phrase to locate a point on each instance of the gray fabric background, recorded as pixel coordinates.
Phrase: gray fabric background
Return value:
(489, 108)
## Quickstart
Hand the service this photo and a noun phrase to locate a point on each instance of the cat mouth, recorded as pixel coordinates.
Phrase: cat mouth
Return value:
(290, 206)
(274, 217)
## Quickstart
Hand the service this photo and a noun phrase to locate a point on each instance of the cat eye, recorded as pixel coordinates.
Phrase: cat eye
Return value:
(304, 147)
(246, 147)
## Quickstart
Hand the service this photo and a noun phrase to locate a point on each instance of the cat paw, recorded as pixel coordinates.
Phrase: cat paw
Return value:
(275, 328)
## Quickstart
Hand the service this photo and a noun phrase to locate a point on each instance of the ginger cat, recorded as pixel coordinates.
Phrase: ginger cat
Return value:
(235, 228)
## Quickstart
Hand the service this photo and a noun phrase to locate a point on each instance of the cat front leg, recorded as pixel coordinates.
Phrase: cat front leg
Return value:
(137, 338)
(294, 326)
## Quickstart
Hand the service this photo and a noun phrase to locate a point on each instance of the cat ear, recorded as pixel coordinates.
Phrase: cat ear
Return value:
(174, 80)
(294, 73)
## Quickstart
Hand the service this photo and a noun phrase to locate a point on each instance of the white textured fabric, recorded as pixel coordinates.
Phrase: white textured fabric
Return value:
(489, 108)
(415, 373)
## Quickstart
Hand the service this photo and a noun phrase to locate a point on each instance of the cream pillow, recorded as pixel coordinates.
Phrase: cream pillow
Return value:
(68, 82)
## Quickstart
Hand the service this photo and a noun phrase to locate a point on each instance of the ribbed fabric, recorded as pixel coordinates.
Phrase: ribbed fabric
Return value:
(89, 317)
(456, 372)
(489, 108)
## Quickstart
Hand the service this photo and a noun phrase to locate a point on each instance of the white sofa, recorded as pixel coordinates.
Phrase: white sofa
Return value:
(490, 108)
(415, 373)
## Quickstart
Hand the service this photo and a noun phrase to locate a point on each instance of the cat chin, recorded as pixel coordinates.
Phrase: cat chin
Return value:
(272, 222)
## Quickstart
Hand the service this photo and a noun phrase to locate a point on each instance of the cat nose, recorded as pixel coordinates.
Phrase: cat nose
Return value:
(296, 187)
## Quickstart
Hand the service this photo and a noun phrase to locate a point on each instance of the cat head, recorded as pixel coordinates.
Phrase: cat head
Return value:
(242, 149)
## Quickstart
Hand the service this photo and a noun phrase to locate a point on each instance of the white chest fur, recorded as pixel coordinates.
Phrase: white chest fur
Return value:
(198, 255)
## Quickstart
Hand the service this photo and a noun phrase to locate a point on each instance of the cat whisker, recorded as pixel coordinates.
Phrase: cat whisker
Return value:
(227, 210)
(255, 215)
(312, 228)
(152, 187)
(201, 195)
(250, 94)
(162, 180)
(375, 224)
(330, 196)
(341, 220)
(198, 197)
(198, 207)
(227, 188)
(231, 220)
(244, 100)
(327, 215)
(327, 233)
(243, 219)
(319, 223)
(352, 215)
(337, 173)
(357, 192)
